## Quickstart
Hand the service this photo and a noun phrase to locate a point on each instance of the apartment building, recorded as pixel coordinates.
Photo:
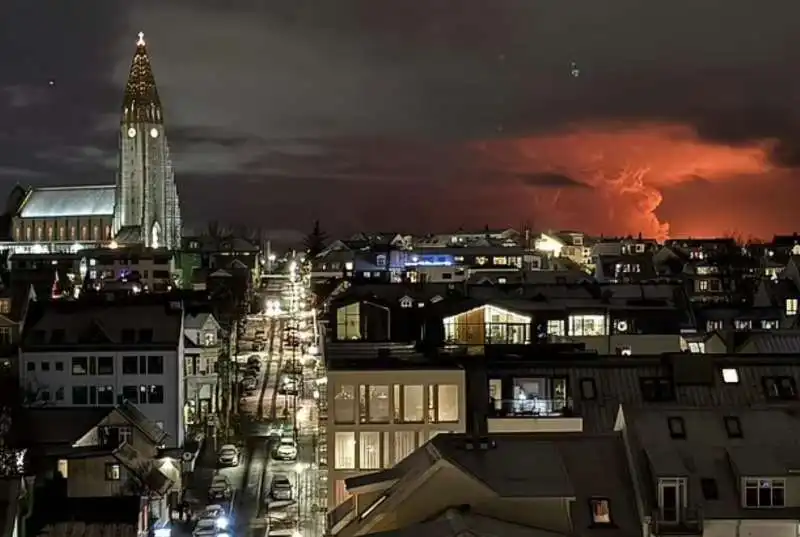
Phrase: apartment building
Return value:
(201, 352)
(150, 269)
(97, 353)
(726, 471)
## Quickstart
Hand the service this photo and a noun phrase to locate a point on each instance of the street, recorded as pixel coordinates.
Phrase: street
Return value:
(268, 414)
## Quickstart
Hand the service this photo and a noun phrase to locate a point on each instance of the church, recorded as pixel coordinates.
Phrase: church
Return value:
(140, 208)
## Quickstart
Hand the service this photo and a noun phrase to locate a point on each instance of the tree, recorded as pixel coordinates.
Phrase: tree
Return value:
(316, 241)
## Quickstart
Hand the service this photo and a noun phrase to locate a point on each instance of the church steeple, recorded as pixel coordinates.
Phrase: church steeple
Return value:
(141, 104)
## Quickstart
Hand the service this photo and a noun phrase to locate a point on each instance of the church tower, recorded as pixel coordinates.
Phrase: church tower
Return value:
(147, 210)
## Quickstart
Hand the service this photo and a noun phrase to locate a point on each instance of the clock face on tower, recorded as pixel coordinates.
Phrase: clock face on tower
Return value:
(131, 132)
(154, 133)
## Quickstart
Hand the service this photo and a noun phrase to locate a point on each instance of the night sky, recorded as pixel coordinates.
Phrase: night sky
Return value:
(397, 115)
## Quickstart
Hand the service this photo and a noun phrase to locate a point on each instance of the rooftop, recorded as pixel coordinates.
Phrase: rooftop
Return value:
(54, 202)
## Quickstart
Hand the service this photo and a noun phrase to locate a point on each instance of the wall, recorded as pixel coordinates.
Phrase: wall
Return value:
(750, 528)
(86, 478)
(169, 412)
(637, 343)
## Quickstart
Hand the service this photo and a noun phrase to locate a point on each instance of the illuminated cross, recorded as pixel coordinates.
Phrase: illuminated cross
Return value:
(140, 42)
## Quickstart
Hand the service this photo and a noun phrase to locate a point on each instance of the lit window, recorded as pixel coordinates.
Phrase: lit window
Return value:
(408, 404)
(369, 450)
(555, 327)
(344, 404)
(112, 472)
(345, 451)
(481, 260)
(702, 285)
(405, 442)
(697, 347)
(791, 306)
(443, 403)
(601, 512)
(730, 376)
(501, 260)
(588, 325)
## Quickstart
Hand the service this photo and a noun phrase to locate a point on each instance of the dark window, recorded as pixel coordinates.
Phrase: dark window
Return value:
(128, 335)
(155, 365)
(45, 395)
(105, 395)
(92, 365)
(130, 393)
(733, 427)
(155, 394)
(601, 511)
(80, 365)
(709, 488)
(45, 366)
(31, 366)
(59, 366)
(142, 365)
(656, 389)
(588, 389)
(80, 395)
(677, 427)
(146, 335)
(58, 335)
(105, 365)
(779, 387)
(60, 394)
(92, 395)
(130, 365)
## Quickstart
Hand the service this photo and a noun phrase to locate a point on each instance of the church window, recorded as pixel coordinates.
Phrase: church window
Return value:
(62, 233)
(96, 233)
(72, 233)
(18, 233)
(49, 233)
(84, 233)
(39, 233)
(28, 233)
(108, 232)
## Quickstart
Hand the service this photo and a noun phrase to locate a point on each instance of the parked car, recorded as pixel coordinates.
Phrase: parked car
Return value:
(249, 384)
(206, 527)
(228, 455)
(213, 511)
(220, 488)
(293, 367)
(286, 450)
(254, 359)
(281, 487)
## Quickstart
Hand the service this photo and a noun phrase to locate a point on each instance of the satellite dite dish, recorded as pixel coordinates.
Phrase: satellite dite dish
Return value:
(187, 456)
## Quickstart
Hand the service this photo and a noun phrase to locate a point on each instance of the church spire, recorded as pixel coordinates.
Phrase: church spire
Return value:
(141, 104)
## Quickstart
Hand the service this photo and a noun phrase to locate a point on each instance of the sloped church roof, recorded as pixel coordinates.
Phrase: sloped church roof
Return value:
(53, 202)
(142, 103)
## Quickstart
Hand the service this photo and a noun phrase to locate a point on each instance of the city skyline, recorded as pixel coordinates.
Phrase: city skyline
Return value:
(286, 114)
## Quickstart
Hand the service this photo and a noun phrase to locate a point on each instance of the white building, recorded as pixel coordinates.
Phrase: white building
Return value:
(201, 352)
(88, 353)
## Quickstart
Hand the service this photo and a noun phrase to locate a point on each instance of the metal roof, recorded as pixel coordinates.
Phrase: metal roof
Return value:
(53, 202)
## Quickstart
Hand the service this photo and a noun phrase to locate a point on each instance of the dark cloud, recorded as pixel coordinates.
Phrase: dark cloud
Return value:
(549, 179)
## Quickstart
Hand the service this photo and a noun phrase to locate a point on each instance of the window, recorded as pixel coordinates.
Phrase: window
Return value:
(374, 403)
(105, 365)
(702, 285)
(733, 426)
(113, 472)
(105, 395)
(697, 347)
(155, 365)
(770, 324)
(344, 451)
(348, 322)
(155, 394)
(409, 406)
(130, 393)
(743, 324)
(657, 389)
(31, 366)
(588, 325)
(63, 468)
(5, 306)
(779, 388)
(406, 302)
(405, 442)
(709, 487)
(443, 403)
(791, 306)
(713, 325)
(59, 366)
(369, 450)
(555, 327)
(130, 365)
(588, 389)
(60, 394)
(601, 511)
(344, 404)
(730, 375)
(764, 493)
(125, 434)
(80, 395)
(45, 366)
(677, 427)
(5, 335)
(80, 365)
(671, 498)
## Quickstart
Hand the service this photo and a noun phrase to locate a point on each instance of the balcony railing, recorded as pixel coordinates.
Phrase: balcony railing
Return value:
(338, 515)
(530, 408)
(687, 521)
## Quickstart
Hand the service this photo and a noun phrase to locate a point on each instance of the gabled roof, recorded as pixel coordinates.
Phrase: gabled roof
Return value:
(62, 426)
(136, 418)
(141, 103)
(54, 202)
(460, 522)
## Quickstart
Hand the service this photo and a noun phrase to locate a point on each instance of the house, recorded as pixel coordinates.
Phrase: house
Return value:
(151, 269)
(14, 303)
(94, 353)
(120, 516)
(202, 348)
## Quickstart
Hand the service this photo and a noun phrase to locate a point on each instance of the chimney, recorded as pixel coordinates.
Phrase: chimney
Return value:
(477, 401)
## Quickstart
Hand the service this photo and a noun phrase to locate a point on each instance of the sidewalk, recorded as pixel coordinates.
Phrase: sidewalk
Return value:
(198, 482)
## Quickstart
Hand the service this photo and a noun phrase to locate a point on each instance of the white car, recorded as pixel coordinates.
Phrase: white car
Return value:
(206, 527)
(286, 450)
(228, 455)
(220, 488)
(213, 511)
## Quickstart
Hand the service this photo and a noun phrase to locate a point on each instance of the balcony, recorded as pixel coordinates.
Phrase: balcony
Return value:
(687, 521)
(533, 415)
(341, 515)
